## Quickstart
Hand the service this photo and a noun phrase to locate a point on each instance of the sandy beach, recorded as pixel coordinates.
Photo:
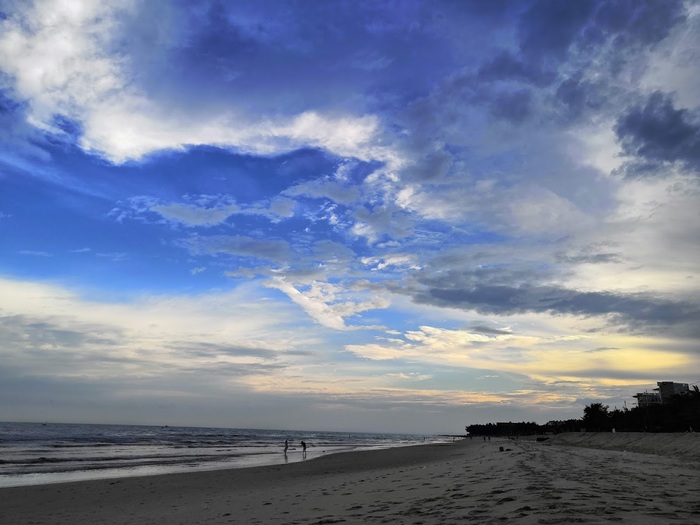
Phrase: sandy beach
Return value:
(561, 480)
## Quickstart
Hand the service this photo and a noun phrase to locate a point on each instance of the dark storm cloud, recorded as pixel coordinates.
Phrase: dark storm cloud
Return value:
(635, 310)
(596, 37)
(505, 66)
(592, 34)
(434, 165)
(424, 125)
(656, 132)
(250, 48)
(549, 27)
(515, 107)
(496, 9)
(641, 21)
(577, 96)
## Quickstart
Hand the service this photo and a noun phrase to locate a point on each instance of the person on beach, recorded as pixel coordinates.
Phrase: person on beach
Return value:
(286, 446)
(303, 447)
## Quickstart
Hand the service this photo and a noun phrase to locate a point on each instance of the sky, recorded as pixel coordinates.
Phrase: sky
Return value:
(400, 216)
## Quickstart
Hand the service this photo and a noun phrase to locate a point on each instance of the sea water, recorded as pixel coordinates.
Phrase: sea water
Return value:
(40, 453)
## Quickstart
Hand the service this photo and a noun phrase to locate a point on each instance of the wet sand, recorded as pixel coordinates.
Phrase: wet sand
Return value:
(469, 481)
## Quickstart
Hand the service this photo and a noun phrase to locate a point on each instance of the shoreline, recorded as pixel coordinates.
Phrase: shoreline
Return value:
(469, 480)
(245, 461)
(113, 473)
(37, 454)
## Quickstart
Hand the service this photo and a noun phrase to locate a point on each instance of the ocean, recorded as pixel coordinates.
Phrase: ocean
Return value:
(41, 453)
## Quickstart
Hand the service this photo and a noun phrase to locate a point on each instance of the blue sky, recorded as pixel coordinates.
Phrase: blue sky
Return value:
(400, 216)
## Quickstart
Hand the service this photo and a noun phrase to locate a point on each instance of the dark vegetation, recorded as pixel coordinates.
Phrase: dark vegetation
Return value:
(680, 414)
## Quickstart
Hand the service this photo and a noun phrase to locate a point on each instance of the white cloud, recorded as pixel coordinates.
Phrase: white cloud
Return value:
(323, 303)
(536, 210)
(652, 230)
(282, 207)
(673, 65)
(55, 52)
(132, 129)
(145, 335)
(524, 208)
(395, 261)
(58, 55)
(368, 231)
(595, 144)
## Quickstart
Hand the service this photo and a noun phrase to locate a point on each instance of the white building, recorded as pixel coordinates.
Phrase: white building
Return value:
(645, 399)
(661, 395)
(668, 389)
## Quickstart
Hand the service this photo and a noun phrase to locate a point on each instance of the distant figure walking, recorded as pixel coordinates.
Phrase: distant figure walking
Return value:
(286, 446)
(303, 447)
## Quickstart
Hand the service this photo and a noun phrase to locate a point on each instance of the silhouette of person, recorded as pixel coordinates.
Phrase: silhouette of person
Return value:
(303, 447)
(286, 446)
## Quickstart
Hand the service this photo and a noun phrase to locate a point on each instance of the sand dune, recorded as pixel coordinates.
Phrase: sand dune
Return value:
(470, 481)
(675, 445)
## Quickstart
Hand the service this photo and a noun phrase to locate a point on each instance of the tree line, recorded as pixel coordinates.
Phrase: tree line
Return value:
(679, 414)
